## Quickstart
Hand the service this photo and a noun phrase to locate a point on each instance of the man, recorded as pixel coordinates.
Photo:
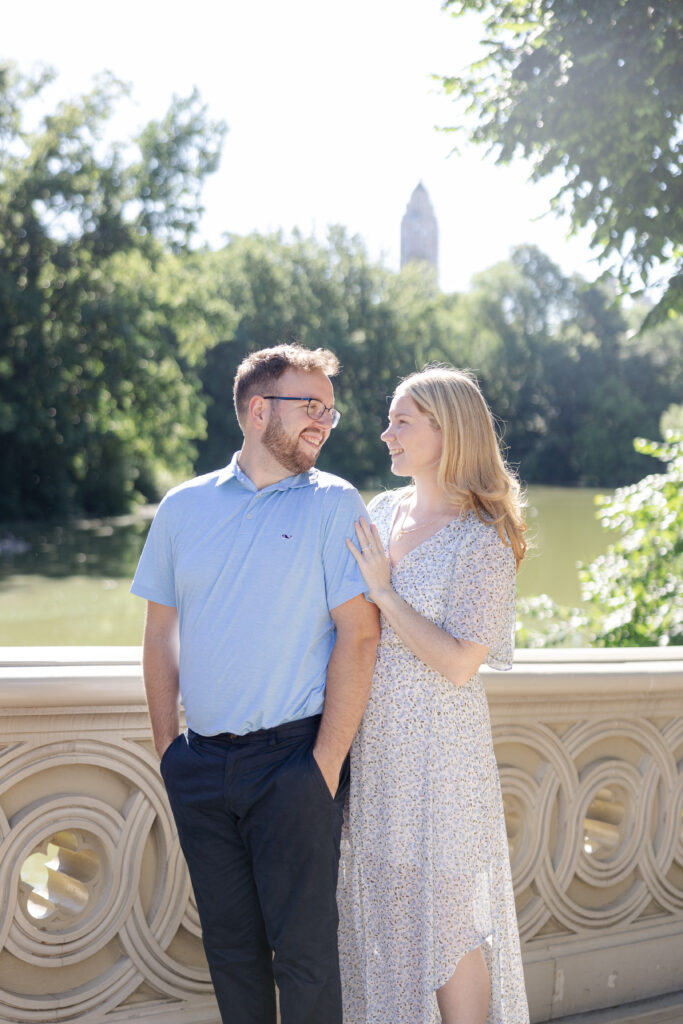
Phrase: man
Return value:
(257, 618)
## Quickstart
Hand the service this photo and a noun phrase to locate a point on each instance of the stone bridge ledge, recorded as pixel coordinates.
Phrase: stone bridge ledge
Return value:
(590, 751)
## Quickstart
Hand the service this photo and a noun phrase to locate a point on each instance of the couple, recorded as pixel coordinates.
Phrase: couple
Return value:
(264, 581)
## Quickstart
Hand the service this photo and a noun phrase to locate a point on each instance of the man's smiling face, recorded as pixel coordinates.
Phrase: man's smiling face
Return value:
(292, 437)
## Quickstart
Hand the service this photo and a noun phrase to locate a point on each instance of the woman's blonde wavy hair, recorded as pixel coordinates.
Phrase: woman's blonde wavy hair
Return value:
(472, 471)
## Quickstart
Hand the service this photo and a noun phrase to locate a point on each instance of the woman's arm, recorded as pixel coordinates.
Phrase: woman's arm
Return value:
(451, 657)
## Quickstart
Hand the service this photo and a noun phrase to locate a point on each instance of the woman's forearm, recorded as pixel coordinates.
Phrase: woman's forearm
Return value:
(455, 659)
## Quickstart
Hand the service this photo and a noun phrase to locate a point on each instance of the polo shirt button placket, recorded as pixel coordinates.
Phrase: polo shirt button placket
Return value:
(252, 505)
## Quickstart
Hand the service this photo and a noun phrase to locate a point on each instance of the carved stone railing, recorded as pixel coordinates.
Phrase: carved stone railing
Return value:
(97, 920)
(590, 750)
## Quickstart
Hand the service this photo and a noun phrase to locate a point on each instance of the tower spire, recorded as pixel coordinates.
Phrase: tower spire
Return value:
(420, 230)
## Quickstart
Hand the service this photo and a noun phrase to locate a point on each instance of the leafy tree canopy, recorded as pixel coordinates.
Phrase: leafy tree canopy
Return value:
(591, 90)
(119, 344)
(562, 368)
(330, 295)
(99, 322)
(557, 359)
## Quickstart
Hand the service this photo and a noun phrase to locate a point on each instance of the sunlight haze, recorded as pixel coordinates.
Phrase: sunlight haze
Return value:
(331, 112)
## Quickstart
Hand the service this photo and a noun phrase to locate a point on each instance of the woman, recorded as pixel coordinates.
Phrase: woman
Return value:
(428, 930)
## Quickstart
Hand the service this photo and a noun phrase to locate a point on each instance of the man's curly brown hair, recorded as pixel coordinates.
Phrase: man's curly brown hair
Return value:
(259, 371)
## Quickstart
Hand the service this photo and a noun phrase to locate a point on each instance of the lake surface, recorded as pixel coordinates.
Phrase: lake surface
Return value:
(69, 584)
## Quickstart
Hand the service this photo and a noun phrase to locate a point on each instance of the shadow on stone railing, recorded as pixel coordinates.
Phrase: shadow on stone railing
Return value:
(590, 749)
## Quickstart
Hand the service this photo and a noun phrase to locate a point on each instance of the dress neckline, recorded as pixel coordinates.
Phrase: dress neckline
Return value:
(395, 565)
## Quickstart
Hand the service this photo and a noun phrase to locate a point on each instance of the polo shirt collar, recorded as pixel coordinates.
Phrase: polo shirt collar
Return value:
(233, 472)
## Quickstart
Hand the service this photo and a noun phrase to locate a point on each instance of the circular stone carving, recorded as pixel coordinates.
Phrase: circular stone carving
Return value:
(92, 880)
(61, 879)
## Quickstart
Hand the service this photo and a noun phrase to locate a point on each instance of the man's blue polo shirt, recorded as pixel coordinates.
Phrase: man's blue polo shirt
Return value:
(254, 576)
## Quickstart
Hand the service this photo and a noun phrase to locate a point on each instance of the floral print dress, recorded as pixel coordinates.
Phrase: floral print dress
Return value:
(424, 873)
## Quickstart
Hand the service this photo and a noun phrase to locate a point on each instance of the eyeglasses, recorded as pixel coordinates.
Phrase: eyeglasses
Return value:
(315, 408)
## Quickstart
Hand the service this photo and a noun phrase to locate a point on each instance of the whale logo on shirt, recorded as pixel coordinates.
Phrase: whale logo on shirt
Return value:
(287, 536)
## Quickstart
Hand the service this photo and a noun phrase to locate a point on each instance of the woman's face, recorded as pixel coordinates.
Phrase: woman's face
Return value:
(414, 444)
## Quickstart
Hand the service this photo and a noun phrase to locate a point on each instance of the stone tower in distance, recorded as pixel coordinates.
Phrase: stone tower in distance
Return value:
(419, 230)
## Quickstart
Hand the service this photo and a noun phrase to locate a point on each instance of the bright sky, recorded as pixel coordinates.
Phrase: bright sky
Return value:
(331, 110)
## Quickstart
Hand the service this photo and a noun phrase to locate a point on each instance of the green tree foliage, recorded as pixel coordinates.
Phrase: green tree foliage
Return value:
(381, 326)
(562, 368)
(559, 363)
(99, 387)
(672, 419)
(632, 594)
(635, 589)
(591, 91)
(119, 344)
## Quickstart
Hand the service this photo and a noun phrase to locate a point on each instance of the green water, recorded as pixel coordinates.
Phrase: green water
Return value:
(71, 584)
(563, 531)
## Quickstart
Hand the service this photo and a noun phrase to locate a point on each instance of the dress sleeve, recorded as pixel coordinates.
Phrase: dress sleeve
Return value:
(381, 510)
(379, 504)
(481, 602)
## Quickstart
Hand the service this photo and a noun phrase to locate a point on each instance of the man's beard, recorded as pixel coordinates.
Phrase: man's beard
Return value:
(286, 450)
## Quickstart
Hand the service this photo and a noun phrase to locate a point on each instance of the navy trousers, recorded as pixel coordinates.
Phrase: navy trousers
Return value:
(260, 832)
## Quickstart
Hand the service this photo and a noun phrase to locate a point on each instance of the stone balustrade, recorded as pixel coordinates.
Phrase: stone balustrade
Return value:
(97, 919)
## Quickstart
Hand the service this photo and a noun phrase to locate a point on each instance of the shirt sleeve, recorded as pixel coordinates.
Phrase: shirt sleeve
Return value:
(343, 579)
(155, 576)
(481, 605)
